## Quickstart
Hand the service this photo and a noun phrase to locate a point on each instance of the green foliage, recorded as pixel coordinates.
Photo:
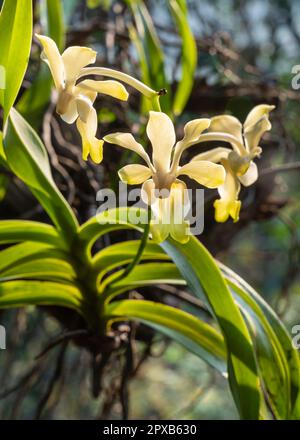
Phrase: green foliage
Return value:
(3, 183)
(152, 59)
(48, 262)
(205, 278)
(189, 55)
(27, 158)
(53, 18)
(54, 265)
(34, 100)
(150, 54)
(195, 335)
(15, 37)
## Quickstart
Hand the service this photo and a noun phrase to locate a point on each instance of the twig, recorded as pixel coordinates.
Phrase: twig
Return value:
(280, 168)
(127, 374)
(56, 375)
(53, 156)
(61, 338)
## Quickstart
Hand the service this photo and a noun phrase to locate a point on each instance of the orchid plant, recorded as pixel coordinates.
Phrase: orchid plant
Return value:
(54, 264)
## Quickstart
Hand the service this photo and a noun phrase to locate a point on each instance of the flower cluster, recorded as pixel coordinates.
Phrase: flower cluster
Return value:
(75, 101)
(224, 168)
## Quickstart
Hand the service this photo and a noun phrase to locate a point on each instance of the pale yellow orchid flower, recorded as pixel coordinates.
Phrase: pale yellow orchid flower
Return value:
(161, 187)
(238, 163)
(75, 100)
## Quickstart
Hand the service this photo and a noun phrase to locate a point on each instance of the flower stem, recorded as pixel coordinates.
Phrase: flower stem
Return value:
(127, 79)
(138, 255)
(156, 103)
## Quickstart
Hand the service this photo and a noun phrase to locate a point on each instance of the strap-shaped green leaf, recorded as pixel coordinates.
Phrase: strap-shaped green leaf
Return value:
(40, 269)
(142, 275)
(199, 269)
(189, 55)
(108, 221)
(24, 252)
(14, 231)
(122, 253)
(268, 349)
(2, 154)
(150, 54)
(15, 38)
(24, 293)
(272, 366)
(28, 159)
(195, 335)
(52, 17)
(36, 97)
(289, 355)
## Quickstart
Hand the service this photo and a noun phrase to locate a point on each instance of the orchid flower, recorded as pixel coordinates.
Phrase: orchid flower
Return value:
(161, 187)
(238, 161)
(75, 100)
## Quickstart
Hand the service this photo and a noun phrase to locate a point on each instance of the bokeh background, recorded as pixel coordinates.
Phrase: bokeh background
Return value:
(246, 52)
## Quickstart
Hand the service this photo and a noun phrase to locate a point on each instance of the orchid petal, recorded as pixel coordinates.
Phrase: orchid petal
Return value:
(110, 88)
(148, 192)
(84, 107)
(250, 176)
(227, 124)
(90, 144)
(161, 217)
(160, 131)
(126, 140)
(168, 215)
(74, 59)
(179, 228)
(71, 114)
(256, 114)
(254, 133)
(227, 208)
(54, 60)
(204, 172)
(159, 230)
(192, 133)
(228, 205)
(215, 155)
(193, 130)
(134, 174)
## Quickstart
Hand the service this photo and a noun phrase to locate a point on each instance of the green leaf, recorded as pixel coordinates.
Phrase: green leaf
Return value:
(122, 253)
(15, 37)
(3, 186)
(52, 17)
(189, 55)
(28, 251)
(28, 159)
(199, 269)
(282, 339)
(277, 360)
(268, 349)
(33, 101)
(105, 4)
(142, 275)
(40, 269)
(149, 50)
(111, 220)
(144, 69)
(24, 293)
(272, 365)
(195, 335)
(2, 154)
(14, 231)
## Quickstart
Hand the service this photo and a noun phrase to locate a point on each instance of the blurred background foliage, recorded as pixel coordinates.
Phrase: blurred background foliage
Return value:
(212, 57)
